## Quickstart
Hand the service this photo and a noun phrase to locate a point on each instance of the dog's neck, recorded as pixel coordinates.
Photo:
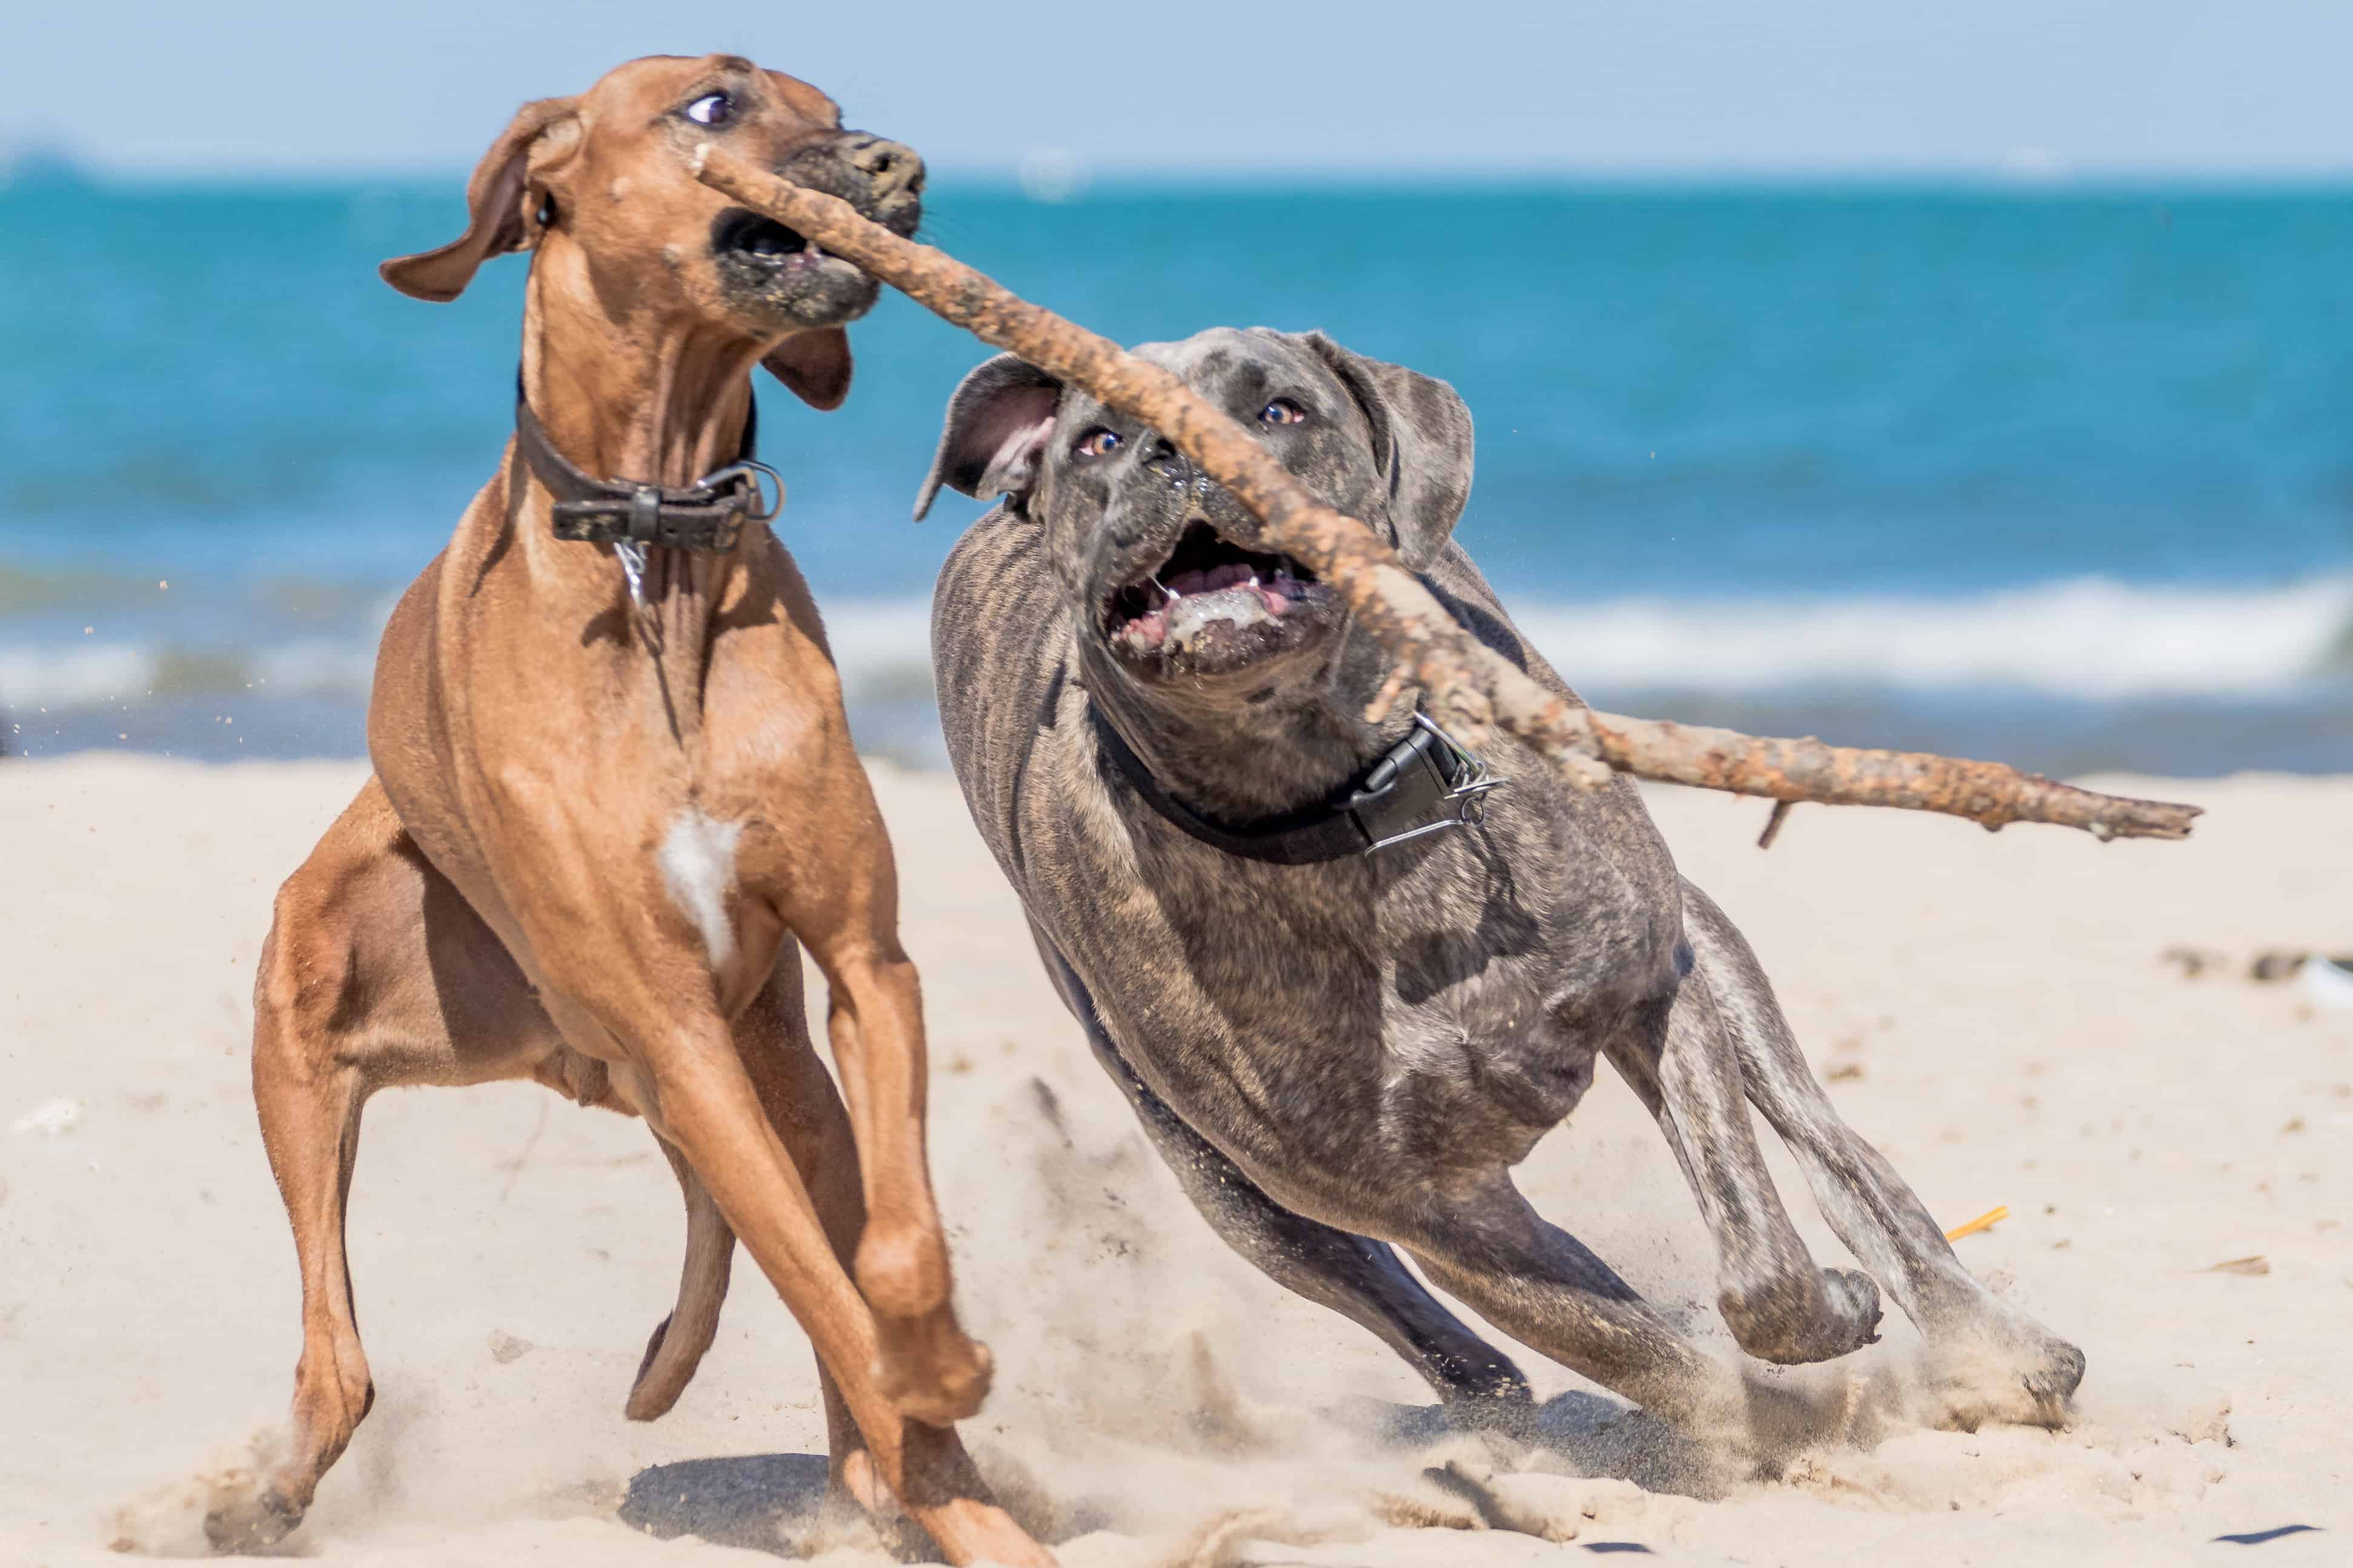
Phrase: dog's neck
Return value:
(1254, 753)
(652, 402)
(655, 402)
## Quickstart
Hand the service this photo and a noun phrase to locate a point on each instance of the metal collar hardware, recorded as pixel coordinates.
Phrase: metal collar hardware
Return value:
(707, 516)
(1427, 782)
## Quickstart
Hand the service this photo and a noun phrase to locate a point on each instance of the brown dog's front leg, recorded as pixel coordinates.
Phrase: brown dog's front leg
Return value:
(705, 1103)
(1779, 1305)
(843, 905)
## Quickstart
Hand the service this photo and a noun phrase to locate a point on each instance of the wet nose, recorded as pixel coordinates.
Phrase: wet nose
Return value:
(1161, 456)
(891, 167)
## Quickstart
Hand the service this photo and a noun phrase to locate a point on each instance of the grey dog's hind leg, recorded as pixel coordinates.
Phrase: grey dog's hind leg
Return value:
(1779, 1306)
(1868, 1204)
(1360, 1279)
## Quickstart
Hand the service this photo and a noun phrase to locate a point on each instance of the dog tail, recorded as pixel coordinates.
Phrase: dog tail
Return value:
(679, 1340)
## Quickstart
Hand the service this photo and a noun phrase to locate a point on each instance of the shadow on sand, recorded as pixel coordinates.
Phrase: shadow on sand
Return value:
(741, 1501)
(771, 1502)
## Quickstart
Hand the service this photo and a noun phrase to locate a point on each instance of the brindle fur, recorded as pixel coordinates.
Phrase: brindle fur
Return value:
(1345, 1058)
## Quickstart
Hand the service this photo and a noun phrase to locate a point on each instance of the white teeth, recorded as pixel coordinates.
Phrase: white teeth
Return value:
(1253, 579)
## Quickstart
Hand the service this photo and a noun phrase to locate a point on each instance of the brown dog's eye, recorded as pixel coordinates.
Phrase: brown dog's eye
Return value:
(710, 108)
(1283, 411)
(1097, 443)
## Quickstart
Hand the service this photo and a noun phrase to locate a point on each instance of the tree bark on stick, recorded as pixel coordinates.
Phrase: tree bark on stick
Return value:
(1465, 686)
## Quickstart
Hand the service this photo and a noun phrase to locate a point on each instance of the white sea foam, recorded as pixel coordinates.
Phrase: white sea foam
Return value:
(2091, 638)
(84, 674)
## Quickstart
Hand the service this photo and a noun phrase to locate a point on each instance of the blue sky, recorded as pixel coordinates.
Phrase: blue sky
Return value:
(1807, 88)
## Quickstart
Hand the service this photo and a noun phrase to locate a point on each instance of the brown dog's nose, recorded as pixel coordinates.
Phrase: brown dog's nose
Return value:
(891, 167)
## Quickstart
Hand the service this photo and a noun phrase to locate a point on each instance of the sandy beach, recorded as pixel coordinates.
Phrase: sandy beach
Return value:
(1992, 1011)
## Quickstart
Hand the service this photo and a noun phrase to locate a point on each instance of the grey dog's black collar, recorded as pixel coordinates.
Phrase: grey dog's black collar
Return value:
(706, 516)
(1426, 782)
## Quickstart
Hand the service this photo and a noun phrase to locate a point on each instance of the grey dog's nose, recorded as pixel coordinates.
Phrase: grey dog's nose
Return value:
(891, 167)
(1162, 457)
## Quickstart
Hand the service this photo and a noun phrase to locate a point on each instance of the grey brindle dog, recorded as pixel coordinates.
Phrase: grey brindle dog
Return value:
(1347, 1055)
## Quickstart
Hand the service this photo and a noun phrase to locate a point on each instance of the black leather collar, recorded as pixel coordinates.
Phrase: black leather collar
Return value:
(706, 516)
(1426, 782)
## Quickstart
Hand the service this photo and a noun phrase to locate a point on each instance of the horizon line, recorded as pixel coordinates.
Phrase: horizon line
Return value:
(38, 168)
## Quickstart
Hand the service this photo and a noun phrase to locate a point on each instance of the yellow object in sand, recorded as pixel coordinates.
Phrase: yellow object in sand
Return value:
(1986, 1221)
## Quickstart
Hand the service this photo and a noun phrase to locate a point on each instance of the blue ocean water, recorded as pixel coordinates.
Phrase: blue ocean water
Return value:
(2064, 478)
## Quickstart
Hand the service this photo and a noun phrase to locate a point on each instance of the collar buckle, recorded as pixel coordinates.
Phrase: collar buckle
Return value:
(1391, 805)
(706, 517)
(1427, 782)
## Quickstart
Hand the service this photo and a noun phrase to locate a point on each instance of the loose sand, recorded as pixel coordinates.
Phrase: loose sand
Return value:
(1991, 1011)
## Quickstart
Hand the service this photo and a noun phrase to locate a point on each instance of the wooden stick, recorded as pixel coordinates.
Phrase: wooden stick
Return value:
(1465, 686)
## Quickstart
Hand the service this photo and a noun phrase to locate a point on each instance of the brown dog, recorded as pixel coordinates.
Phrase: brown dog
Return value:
(614, 787)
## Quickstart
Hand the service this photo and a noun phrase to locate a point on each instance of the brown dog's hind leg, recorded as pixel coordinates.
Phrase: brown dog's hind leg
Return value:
(1779, 1306)
(1872, 1210)
(679, 1340)
(373, 970)
(310, 1127)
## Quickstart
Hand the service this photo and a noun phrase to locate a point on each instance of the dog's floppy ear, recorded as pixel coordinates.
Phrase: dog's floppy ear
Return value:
(815, 364)
(994, 441)
(1422, 439)
(497, 221)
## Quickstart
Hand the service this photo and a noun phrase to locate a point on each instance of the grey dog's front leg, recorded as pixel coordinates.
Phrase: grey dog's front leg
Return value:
(1360, 1279)
(1869, 1205)
(1779, 1305)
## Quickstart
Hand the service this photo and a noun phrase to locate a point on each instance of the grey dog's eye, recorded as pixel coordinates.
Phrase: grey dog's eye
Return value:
(1283, 411)
(710, 108)
(1097, 443)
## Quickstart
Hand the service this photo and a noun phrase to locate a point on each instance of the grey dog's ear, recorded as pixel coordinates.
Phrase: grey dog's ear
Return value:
(995, 435)
(496, 198)
(1422, 439)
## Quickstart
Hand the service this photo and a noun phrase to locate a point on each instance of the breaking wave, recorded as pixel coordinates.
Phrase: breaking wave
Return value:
(2090, 640)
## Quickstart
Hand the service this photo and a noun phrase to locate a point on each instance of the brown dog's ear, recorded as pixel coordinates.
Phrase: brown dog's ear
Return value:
(815, 364)
(1421, 440)
(496, 221)
(995, 437)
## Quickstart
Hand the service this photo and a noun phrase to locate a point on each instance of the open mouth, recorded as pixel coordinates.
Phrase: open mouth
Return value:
(763, 240)
(1210, 594)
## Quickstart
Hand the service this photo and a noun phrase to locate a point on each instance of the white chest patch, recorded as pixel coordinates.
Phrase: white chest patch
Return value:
(698, 866)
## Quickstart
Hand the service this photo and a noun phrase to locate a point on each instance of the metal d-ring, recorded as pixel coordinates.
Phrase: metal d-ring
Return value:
(746, 469)
(1468, 795)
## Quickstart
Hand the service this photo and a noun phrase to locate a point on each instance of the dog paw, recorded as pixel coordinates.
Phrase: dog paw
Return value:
(1850, 1312)
(254, 1522)
(932, 1373)
(2016, 1372)
(1789, 1325)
